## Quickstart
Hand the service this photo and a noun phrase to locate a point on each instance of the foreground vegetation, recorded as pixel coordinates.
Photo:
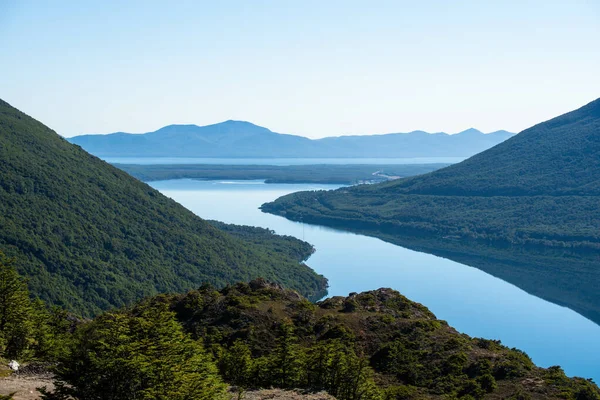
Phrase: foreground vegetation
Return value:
(373, 345)
(90, 237)
(540, 187)
(330, 173)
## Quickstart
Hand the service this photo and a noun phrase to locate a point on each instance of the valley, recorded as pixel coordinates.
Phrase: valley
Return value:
(502, 297)
(317, 200)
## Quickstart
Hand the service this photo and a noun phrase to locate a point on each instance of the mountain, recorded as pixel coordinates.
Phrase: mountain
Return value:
(539, 187)
(90, 237)
(415, 144)
(559, 157)
(243, 139)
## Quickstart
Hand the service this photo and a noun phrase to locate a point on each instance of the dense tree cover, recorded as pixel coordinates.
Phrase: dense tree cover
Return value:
(90, 237)
(372, 345)
(285, 245)
(138, 353)
(560, 221)
(539, 187)
(28, 328)
(329, 173)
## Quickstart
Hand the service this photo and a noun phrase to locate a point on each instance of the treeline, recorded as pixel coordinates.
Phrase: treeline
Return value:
(326, 173)
(558, 221)
(374, 345)
(287, 245)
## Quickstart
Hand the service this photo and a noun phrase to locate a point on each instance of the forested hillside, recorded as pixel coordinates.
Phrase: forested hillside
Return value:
(376, 345)
(90, 237)
(559, 157)
(540, 187)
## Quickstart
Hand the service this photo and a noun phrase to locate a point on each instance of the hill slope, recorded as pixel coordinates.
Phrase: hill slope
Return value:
(557, 157)
(243, 139)
(413, 355)
(541, 187)
(90, 237)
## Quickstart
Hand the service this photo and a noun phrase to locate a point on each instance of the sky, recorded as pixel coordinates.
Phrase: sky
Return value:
(314, 68)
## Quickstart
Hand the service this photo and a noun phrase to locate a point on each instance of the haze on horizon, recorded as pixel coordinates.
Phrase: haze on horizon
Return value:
(310, 68)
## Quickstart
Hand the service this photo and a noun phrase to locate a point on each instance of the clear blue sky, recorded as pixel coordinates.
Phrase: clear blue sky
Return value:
(315, 68)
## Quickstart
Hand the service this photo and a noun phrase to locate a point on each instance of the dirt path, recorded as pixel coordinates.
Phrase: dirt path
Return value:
(276, 394)
(24, 386)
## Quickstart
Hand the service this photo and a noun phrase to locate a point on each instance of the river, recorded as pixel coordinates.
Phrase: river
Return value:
(470, 300)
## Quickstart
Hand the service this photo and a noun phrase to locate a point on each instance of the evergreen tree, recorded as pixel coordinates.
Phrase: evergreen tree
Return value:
(142, 353)
(335, 367)
(52, 330)
(15, 311)
(236, 363)
(287, 364)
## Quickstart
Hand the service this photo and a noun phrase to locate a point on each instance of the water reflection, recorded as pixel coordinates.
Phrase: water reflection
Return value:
(438, 274)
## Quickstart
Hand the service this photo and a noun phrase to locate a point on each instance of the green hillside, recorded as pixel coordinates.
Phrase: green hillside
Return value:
(90, 237)
(378, 344)
(560, 157)
(540, 187)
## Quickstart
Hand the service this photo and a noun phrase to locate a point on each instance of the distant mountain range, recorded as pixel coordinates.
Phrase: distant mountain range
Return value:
(244, 139)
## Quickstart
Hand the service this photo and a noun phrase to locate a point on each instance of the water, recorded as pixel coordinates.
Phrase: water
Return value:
(470, 300)
(280, 161)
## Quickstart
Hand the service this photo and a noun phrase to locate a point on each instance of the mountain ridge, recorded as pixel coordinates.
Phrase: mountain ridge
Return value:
(239, 122)
(233, 138)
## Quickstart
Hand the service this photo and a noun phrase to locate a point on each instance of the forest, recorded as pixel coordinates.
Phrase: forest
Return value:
(374, 345)
(90, 237)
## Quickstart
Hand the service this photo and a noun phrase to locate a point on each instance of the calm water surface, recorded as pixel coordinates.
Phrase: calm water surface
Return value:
(470, 300)
(280, 161)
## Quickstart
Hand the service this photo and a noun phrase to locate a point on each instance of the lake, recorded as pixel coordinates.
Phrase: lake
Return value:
(281, 161)
(469, 299)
